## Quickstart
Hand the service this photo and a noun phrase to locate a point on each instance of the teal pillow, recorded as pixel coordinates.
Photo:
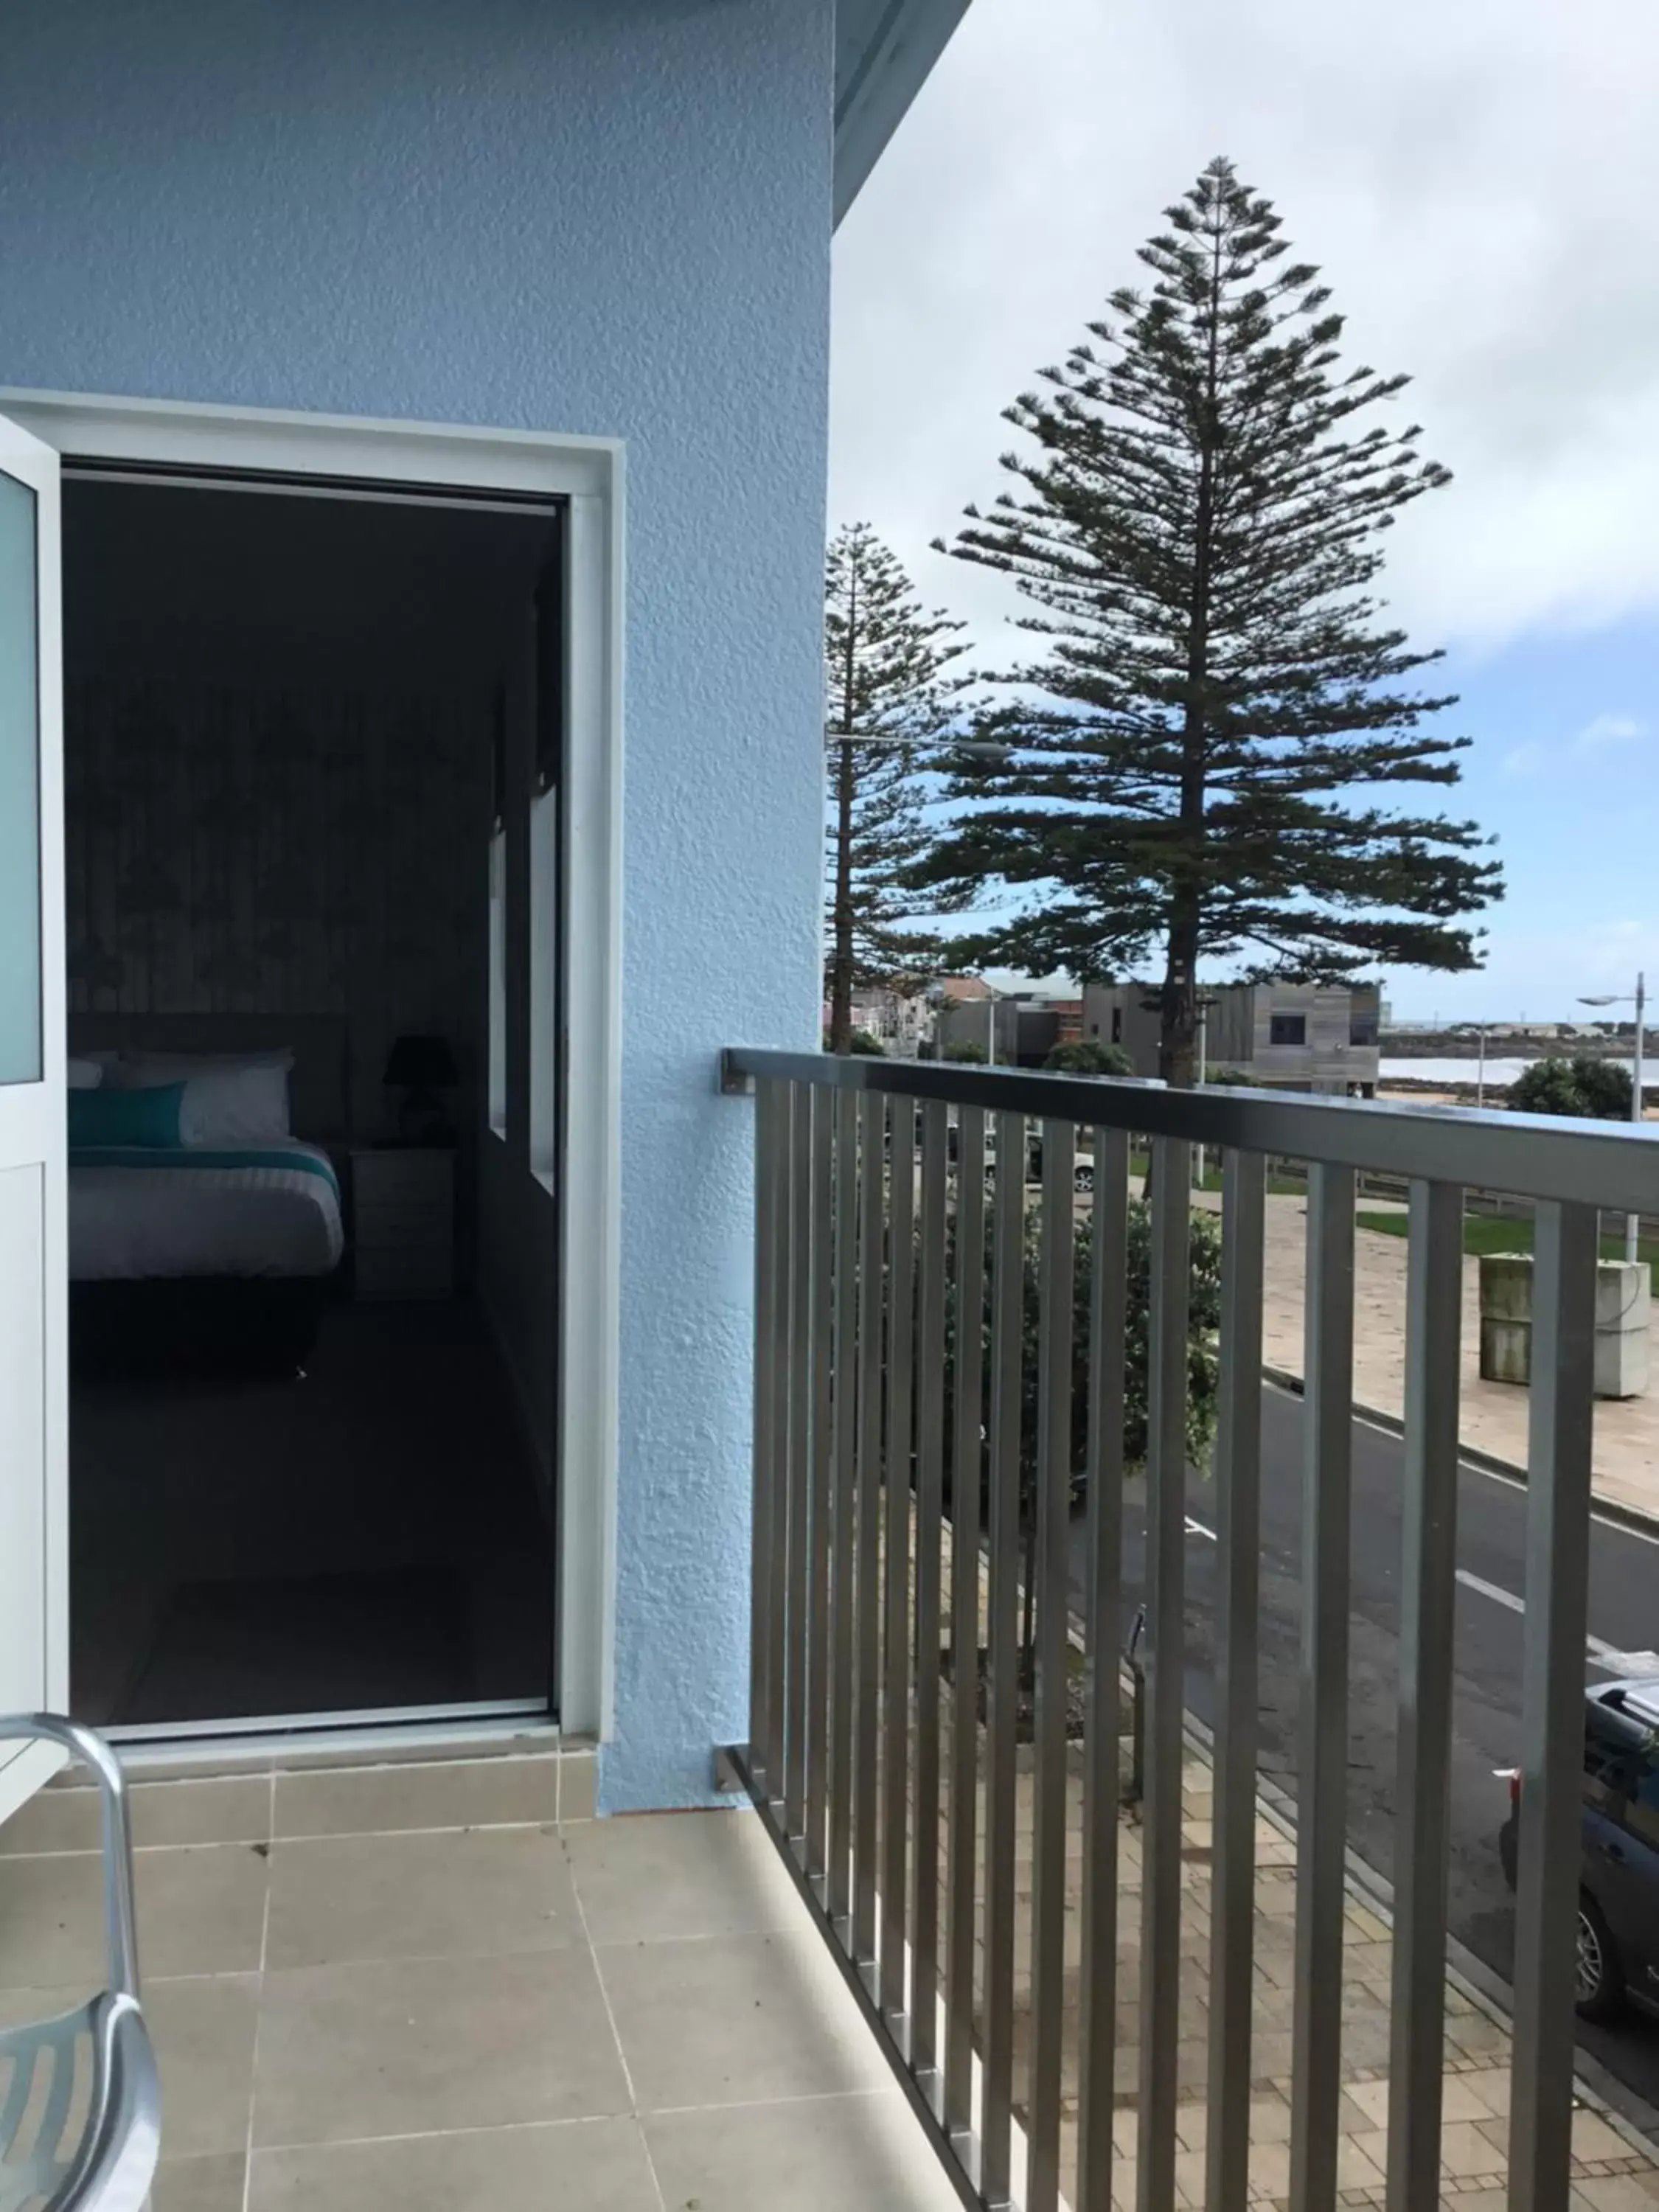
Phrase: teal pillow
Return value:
(125, 1117)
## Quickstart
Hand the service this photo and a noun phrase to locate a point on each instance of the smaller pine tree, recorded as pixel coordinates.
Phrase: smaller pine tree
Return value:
(890, 697)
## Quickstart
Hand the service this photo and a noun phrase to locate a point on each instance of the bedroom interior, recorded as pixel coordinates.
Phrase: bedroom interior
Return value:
(312, 890)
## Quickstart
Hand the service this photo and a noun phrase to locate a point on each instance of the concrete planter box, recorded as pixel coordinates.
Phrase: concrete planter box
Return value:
(1623, 1301)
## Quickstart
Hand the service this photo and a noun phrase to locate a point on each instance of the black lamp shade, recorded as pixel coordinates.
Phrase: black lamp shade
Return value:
(421, 1063)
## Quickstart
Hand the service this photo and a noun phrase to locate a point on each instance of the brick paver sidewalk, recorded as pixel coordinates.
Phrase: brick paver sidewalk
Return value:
(1612, 2170)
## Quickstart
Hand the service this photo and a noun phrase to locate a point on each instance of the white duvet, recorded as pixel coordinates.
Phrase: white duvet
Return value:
(261, 1217)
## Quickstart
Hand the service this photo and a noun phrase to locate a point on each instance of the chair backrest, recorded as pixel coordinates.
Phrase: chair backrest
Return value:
(80, 2099)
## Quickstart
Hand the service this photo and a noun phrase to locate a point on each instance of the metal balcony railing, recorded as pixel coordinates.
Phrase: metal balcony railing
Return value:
(890, 1782)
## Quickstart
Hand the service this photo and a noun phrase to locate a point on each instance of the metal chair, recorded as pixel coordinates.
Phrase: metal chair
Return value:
(79, 2103)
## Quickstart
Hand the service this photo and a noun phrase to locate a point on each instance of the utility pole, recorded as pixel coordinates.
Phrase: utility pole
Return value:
(1632, 1221)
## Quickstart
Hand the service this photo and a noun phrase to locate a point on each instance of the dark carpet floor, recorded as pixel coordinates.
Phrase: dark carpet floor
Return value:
(366, 1536)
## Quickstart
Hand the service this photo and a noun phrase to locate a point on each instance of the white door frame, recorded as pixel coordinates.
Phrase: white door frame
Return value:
(32, 1132)
(589, 473)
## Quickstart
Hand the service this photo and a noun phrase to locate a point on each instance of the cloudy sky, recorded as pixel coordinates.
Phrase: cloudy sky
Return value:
(1478, 180)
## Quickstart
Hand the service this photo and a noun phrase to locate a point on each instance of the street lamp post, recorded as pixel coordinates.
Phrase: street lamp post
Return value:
(1632, 1221)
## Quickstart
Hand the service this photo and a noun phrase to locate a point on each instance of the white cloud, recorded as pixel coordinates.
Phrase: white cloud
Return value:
(1527, 759)
(1453, 175)
(1609, 730)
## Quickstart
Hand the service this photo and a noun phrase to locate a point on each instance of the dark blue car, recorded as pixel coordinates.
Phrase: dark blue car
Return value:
(1618, 1881)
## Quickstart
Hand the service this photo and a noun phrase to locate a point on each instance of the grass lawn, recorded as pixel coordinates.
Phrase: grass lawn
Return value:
(1490, 1232)
(1278, 1186)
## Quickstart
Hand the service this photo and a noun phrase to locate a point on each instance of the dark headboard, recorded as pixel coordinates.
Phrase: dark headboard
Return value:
(319, 1087)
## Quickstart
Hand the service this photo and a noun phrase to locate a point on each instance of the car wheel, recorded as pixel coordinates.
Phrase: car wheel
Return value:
(1599, 1981)
(1083, 1179)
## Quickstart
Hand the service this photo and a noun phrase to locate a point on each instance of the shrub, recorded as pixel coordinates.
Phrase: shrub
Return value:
(1203, 1355)
(1591, 1089)
(973, 1054)
(1089, 1056)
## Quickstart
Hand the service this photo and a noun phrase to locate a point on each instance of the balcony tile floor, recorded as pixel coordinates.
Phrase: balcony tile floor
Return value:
(447, 1984)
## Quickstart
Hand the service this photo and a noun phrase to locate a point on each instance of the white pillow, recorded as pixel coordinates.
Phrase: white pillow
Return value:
(230, 1099)
(234, 1106)
(82, 1074)
(143, 1070)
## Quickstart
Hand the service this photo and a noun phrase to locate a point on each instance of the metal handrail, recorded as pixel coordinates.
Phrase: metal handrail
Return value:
(1611, 1164)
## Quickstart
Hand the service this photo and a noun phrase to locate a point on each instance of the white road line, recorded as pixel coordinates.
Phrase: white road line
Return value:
(1197, 1528)
(1508, 1481)
(1491, 1589)
(1605, 1656)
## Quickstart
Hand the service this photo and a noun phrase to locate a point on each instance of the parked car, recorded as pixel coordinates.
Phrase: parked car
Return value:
(1618, 1878)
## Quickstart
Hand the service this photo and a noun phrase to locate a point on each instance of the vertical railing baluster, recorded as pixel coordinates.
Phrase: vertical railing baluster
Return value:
(1322, 1760)
(1108, 1329)
(1007, 1332)
(930, 1485)
(1553, 1705)
(1238, 1542)
(844, 1388)
(1434, 1313)
(895, 1663)
(777, 1587)
(872, 1275)
(800, 1460)
(1165, 1668)
(821, 1473)
(967, 1472)
(766, 1464)
(1056, 1336)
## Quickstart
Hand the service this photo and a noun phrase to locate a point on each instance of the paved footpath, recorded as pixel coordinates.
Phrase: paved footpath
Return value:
(1494, 1415)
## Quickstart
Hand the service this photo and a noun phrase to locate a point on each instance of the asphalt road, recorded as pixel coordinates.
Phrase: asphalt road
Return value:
(1623, 1615)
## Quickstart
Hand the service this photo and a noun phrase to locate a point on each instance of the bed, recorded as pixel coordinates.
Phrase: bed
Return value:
(221, 1253)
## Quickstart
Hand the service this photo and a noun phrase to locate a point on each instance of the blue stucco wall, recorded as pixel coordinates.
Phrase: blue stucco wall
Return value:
(601, 216)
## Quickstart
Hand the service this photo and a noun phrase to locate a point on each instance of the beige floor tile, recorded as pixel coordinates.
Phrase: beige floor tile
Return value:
(569, 2167)
(428, 1895)
(401, 2046)
(203, 2034)
(200, 2185)
(740, 2019)
(658, 1876)
(200, 1911)
(578, 1786)
(814, 2154)
(219, 1809)
(441, 1794)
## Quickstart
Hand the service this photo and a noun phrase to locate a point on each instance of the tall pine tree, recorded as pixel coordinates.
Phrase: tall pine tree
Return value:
(1197, 532)
(886, 664)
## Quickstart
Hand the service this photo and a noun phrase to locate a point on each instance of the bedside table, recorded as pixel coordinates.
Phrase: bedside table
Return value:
(403, 1221)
